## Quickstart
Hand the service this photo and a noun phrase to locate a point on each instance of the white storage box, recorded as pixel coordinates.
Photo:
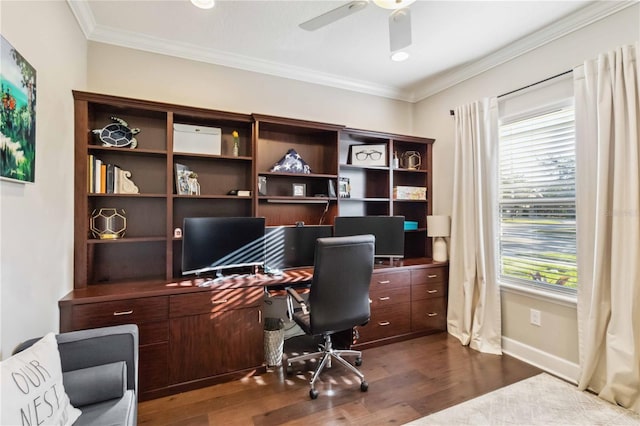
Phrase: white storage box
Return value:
(196, 139)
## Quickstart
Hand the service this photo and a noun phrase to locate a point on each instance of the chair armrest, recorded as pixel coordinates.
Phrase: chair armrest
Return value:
(99, 346)
(294, 294)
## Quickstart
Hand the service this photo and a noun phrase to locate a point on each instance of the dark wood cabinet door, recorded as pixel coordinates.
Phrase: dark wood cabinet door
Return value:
(215, 343)
(153, 366)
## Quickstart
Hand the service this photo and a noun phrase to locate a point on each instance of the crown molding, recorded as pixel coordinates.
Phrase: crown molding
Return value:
(84, 16)
(593, 12)
(581, 18)
(146, 43)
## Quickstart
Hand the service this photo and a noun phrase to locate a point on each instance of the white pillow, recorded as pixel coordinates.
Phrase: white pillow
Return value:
(31, 391)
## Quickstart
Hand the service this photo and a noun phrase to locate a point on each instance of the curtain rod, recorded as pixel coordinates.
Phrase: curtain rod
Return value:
(452, 112)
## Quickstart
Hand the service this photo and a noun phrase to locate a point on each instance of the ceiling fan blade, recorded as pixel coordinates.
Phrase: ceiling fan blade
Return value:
(333, 15)
(400, 29)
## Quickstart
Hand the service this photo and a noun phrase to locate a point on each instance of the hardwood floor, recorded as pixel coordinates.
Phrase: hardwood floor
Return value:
(407, 380)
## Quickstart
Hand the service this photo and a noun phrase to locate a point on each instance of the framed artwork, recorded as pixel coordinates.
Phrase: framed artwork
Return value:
(182, 179)
(17, 116)
(299, 189)
(369, 155)
(344, 187)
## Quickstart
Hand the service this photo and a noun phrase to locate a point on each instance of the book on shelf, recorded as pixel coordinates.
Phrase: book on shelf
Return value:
(97, 176)
(109, 184)
(103, 178)
(90, 172)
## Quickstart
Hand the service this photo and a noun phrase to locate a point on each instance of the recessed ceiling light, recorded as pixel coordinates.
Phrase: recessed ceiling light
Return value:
(204, 4)
(399, 56)
(393, 4)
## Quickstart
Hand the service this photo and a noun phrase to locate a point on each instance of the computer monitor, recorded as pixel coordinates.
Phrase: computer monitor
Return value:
(218, 243)
(388, 230)
(292, 246)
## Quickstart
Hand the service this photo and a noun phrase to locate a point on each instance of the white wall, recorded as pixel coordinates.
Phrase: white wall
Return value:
(558, 335)
(36, 220)
(127, 72)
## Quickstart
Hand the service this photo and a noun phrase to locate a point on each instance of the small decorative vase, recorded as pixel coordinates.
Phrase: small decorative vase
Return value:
(236, 143)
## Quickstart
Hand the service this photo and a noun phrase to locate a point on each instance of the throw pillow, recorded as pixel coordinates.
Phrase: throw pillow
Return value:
(31, 387)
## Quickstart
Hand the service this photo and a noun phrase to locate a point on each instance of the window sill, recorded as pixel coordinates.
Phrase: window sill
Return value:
(547, 296)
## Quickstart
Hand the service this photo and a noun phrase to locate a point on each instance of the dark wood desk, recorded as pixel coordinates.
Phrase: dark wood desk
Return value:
(193, 336)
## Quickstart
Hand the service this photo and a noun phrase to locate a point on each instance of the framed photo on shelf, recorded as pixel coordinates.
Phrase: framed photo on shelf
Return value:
(182, 179)
(369, 155)
(344, 187)
(299, 189)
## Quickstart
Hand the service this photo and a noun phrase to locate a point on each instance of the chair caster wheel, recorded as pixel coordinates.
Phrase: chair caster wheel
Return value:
(313, 394)
(364, 386)
(289, 369)
(358, 362)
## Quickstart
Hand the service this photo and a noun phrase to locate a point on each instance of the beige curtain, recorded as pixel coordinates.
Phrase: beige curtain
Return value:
(608, 202)
(473, 314)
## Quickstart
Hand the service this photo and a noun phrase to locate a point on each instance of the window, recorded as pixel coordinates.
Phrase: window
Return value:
(537, 210)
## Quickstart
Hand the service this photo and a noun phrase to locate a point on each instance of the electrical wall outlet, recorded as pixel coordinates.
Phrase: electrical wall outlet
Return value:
(534, 317)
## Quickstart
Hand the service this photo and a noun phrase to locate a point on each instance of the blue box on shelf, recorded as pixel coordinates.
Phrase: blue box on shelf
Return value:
(410, 225)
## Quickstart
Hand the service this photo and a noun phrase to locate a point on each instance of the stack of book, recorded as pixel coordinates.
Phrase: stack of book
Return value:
(103, 178)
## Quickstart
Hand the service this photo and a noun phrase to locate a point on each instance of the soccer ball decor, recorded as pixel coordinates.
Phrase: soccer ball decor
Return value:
(108, 223)
(118, 134)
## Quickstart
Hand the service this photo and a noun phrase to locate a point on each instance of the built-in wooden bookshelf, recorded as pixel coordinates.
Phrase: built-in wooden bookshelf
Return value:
(149, 250)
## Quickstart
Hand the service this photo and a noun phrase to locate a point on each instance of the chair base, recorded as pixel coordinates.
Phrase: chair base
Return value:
(327, 354)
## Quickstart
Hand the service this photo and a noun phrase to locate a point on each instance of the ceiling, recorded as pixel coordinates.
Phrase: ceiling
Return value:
(452, 40)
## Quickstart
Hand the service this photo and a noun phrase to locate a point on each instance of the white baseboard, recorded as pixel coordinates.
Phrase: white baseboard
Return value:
(548, 362)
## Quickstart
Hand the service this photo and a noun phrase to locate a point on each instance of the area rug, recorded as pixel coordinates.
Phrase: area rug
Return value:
(538, 400)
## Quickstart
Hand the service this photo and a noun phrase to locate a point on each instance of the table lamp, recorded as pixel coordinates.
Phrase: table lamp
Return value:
(439, 227)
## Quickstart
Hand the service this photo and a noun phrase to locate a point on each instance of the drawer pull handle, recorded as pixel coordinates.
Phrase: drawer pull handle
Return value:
(383, 323)
(116, 314)
(384, 282)
(384, 298)
(219, 302)
(432, 276)
(432, 314)
(432, 291)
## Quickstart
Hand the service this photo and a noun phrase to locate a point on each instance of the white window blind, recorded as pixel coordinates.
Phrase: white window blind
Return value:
(537, 200)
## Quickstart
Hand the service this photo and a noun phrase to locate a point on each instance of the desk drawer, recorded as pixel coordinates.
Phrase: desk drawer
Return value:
(389, 294)
(382, 280)
(428, 290)
(429, 275)
(129, 311)
(429, 314)
(214, 301)
(386, 321)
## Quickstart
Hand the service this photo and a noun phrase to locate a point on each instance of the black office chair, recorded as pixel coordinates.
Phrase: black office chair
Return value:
(338, 299)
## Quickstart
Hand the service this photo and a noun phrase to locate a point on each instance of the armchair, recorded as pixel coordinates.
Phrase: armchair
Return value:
(100, 373)
(338, 300)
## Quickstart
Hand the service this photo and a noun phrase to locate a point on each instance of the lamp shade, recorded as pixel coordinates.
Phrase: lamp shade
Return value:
(438, 226)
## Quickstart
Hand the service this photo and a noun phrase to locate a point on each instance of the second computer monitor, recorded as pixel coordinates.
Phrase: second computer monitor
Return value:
(292, 246)
(388, 230)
